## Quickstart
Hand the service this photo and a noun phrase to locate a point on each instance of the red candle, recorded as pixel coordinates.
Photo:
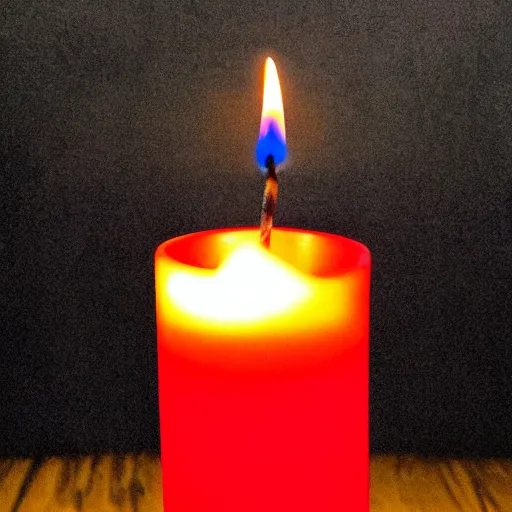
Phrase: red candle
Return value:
(263, 371)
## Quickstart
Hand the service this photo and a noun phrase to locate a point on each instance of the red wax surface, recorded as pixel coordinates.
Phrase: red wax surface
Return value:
(262, 410)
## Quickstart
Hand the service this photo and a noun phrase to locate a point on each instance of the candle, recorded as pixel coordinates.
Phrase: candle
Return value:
(263, 371)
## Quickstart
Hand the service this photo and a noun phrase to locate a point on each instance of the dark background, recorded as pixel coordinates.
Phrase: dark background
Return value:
(126, 122)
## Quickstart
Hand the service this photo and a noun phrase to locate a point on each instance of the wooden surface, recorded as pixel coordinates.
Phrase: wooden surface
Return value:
(113, 483)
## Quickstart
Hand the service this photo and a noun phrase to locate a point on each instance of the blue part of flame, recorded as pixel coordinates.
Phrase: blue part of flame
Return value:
(271, 143)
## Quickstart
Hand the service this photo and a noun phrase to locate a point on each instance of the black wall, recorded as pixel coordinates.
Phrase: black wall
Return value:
(126, 122)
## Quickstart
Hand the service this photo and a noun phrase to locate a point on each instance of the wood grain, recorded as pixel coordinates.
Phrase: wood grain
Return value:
(413, 484)
(132, 483)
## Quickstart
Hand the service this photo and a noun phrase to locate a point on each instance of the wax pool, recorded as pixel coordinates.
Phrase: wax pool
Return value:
(263, 372)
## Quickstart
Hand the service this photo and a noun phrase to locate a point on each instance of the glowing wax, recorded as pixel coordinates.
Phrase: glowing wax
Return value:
(263, 372)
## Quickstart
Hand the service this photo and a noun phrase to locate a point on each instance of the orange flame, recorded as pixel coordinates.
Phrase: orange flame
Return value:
(272, 100)
(272, 139)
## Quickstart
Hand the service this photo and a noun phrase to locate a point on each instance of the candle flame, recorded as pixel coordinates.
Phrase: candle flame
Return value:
(250, 284)
(272, 138)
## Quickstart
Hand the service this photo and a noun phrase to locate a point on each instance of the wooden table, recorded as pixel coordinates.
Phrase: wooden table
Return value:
(115, 483)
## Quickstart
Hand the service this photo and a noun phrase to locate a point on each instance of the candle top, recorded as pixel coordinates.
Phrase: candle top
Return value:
(226, 277)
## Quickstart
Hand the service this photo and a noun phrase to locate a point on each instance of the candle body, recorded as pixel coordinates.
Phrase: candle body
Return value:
(264, 410)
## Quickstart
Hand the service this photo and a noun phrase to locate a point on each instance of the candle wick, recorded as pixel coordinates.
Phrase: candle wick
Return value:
(269, 202)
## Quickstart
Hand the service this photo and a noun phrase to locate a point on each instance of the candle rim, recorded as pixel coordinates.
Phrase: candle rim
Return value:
(175, 249)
